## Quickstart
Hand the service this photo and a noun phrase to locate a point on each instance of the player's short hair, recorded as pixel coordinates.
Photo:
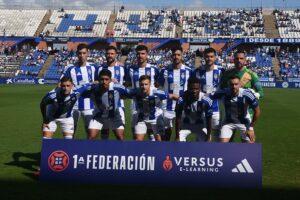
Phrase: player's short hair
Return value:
(111, 48)
(82, 46)
(234, 77)
(141, 48)
(177, 48)
(210, 50)
(193, 80)
(66, 79)
(144, 77)
(105, 72)
(240, 51)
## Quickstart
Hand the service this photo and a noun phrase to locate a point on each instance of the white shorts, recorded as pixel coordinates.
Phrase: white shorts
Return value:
(86, 114)
(169, 117)
(215, 121)
(228, 129)
(66, 124)
(106, 126)
(157, 126)
(187, 129)
(112, 124)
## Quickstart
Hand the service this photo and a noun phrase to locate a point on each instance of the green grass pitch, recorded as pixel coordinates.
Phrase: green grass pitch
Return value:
(278, 131)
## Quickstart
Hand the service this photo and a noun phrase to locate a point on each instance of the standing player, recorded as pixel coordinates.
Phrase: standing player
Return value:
(248, 78)
(57, 107)
(236, 102)
(148, 103)
(210, 78)
(82, 72)
(136, 71)
(141, 68)
(107, 100)
(174, 81)
(193, 113)
(118, 74)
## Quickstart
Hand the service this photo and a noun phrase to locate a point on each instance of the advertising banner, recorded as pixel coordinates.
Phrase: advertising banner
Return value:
(152, 163)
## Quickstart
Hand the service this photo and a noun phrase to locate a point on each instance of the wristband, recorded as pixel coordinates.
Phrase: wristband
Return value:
(250, 128)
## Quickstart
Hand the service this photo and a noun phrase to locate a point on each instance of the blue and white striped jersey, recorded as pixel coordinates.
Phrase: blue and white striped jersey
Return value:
(117, 73)
(174, 81)
(148, 108)
(135, 72)
(210, 81)
(61, 106)
(194, 112)
(80, 76)
(108, 102)
(236, 107)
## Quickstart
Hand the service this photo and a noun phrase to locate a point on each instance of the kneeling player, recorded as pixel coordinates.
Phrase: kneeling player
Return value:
(106, 97)
(56, 107)
(236, 102)
(193, 113)
(148, 104)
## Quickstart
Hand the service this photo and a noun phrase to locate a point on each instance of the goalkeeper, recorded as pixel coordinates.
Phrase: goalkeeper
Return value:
(248, 78)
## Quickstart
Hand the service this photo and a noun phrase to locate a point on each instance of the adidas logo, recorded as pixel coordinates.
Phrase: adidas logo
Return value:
(243, 167)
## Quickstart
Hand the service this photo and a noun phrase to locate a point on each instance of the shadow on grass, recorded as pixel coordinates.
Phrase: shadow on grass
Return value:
(28, 161)
(38, 190)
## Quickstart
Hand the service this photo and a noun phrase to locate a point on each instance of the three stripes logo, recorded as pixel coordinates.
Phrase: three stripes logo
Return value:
(243, 167)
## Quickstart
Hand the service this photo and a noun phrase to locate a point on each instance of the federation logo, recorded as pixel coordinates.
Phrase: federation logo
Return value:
(58, 161)
(167, 165)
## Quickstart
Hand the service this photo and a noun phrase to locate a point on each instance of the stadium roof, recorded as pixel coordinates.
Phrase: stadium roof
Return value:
(137, 4)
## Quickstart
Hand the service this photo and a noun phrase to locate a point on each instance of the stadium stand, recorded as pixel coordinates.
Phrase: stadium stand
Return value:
(162, 58)
(146, 24)
(65, 58)
(32, 64)
(223, 24)
(9, 59)
(259, 60)
(20, 22)
(77, 23)
(289, 64)
(288, 23)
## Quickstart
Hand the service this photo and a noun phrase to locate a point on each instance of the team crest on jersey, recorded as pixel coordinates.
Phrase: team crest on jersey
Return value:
(135, 73)
(89, 71)
(216, 76)
(167, 164)
(182, 75)
(58, 161)
(148, 73)
(78, 74)
(202, 77)
(117, 72)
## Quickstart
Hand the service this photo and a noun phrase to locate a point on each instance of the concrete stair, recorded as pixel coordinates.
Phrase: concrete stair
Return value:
(270, 25)
(123, 59)
(43, 23)
(111, 22)
(178, 30)
(276, 66)
(198, 61)
(46, 66)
